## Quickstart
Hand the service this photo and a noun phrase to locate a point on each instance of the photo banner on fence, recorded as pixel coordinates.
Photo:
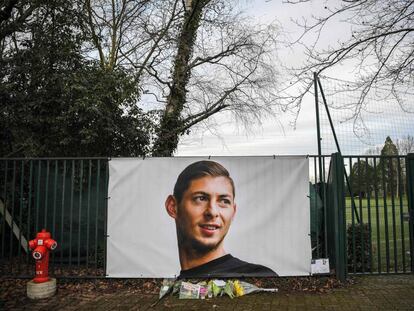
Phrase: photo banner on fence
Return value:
(196, 217)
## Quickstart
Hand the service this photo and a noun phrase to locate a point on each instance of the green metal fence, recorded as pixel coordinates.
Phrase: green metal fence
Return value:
(318, 171)
(67, 197)
(377, 193)
(377, 214)
(378, 196)
(336, 217)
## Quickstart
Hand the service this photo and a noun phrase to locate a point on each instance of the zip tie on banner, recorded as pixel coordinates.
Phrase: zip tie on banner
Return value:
(274, 157)
(209, 157)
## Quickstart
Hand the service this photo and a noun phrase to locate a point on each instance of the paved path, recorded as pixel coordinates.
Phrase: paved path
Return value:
(393, 292)
(370, 293)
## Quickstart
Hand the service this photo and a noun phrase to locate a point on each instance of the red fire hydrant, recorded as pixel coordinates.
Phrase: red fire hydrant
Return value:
(41, 246)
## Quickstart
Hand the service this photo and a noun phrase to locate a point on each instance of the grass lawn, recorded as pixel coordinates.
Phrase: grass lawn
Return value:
(389, 231)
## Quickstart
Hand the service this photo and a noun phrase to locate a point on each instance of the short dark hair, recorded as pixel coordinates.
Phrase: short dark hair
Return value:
(198, 170)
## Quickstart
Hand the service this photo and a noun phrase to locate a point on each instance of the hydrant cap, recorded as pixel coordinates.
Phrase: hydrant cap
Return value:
(53, 246)
(32, 244)
(43, 235)
(37, 255)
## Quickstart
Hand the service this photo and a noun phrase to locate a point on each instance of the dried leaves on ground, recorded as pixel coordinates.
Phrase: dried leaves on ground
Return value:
(13, 290)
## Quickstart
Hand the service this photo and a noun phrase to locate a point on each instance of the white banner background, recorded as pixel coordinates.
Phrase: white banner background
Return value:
(271, 226)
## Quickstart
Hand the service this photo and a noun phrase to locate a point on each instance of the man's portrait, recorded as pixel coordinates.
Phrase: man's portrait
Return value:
(208, 217)
(203, 207)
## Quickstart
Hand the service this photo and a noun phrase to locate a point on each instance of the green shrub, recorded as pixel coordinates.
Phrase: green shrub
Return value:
(359, 261)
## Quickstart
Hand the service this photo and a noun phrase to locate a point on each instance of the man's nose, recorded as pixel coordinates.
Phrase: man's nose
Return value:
(212, 209)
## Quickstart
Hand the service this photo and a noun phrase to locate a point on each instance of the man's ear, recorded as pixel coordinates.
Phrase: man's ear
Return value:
(171, 206)
(235, 210)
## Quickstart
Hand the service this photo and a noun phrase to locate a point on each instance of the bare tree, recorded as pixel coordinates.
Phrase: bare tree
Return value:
(380, 45)
(196, 58)
(222, 63)
(129, 33)
(405, 145)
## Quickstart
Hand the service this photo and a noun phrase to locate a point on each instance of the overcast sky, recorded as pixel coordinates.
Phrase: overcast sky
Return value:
(273, 136)
(277, 137)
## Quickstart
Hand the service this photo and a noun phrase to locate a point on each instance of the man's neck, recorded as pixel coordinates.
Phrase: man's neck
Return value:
(192, 259)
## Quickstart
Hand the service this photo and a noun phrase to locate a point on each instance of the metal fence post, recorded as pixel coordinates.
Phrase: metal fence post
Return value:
(336, 217)
(410, 198)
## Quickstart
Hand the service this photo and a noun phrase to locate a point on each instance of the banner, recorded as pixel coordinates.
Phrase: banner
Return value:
(208, 217)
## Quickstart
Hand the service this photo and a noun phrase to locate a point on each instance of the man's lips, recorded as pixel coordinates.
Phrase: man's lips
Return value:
(209, 229)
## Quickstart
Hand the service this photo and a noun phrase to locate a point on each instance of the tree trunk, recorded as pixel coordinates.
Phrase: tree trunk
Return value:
(171, 122)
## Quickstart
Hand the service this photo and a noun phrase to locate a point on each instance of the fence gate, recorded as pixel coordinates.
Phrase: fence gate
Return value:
(379, 214)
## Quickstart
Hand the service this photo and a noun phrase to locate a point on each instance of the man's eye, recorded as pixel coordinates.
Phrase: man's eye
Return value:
(200, 198)
(226, 201)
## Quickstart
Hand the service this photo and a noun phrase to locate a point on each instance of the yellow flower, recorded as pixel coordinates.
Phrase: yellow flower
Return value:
(238, 289)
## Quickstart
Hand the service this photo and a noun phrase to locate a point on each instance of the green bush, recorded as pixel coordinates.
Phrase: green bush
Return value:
(359, 261)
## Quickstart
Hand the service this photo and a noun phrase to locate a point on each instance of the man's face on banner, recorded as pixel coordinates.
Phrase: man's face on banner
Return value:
(205, 212)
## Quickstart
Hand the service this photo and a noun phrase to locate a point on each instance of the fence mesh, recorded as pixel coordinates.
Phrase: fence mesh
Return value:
(363, 120)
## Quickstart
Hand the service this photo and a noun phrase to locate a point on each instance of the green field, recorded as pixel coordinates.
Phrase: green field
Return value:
(388, 222)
